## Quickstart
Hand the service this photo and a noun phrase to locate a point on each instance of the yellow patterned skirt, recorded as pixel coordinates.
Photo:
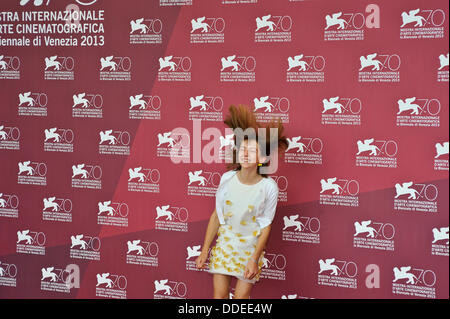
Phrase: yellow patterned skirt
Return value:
(232, 252)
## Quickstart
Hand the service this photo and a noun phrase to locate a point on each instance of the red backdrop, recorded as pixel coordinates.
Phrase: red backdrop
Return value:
(89, 100)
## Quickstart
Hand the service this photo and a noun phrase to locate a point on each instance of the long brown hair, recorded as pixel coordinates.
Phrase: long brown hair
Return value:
(241, 116)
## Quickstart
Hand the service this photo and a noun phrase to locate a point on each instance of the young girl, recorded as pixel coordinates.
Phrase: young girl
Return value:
(246, 201)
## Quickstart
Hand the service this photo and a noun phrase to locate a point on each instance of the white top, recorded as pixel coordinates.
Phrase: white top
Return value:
(268, 198)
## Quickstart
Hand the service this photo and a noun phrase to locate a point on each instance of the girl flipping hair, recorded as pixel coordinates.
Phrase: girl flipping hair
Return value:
(246, 201)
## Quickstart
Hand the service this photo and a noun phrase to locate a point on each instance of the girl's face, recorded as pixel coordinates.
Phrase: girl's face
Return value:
(248, 154)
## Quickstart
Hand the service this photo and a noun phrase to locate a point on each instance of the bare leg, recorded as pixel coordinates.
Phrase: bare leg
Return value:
(243, 289)
(221, 286)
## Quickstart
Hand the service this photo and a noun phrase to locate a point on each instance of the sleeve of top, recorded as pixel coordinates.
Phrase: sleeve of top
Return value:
(219, 198)
(265, 218)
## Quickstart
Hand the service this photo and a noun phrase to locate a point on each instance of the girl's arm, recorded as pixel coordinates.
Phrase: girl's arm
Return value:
(211, 232)
(252, 266)
(262, 240)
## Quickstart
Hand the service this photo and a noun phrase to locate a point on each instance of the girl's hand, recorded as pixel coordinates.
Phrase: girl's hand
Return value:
(200, 261)
(251, 269)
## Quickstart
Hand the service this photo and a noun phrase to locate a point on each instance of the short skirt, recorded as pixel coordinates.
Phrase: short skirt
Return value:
(232, 252)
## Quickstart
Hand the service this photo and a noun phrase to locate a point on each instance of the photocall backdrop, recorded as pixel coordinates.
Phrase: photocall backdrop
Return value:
(93, 93)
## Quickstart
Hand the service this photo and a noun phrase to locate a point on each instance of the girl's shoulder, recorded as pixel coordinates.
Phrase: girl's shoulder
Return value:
(228, 174)
(270, 184)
